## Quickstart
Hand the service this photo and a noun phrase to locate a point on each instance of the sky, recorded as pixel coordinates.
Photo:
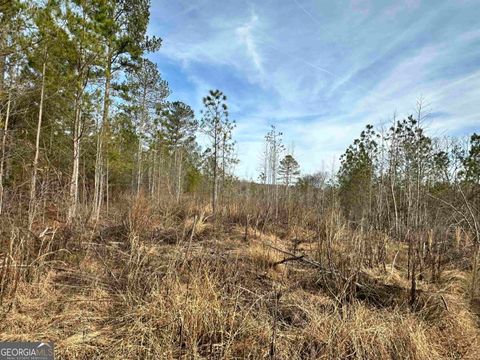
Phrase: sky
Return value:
(320, 70)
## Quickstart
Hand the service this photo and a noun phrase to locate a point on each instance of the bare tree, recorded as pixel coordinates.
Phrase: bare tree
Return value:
(273, 152)
(33, 182)
(4, 143)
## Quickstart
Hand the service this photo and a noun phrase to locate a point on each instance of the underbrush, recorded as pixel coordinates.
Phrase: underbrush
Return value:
(171, 281)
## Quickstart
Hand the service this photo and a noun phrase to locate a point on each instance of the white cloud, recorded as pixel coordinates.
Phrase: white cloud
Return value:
(321, 71)
(246, 36)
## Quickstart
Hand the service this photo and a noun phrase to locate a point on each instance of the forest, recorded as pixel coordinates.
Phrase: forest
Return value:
(126, 233)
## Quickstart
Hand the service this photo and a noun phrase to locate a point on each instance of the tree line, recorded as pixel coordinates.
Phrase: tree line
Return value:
(86, 121)
(86, 118)
(85, 115)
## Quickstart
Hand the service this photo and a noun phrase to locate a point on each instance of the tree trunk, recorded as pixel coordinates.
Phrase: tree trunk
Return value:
(143, 120)
(4, 145)
(2, 59)
(72, 210)
(154, 174)
(179, 177)
(215, 177)
(473, 285)
(107, 189)
(139, 166)
(33, 184)
(99, 161)
(98, 177)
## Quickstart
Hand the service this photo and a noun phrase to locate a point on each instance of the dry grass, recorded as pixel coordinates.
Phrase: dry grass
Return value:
(148, 287)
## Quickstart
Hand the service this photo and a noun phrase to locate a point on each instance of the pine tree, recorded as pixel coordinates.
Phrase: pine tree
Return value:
(471, 162)
(83, 50)
(144, 92)
(272, 153)
(12, 24)
(123, 25)
(217, 126)
(357, 171)
(288, 170)
(179, 127)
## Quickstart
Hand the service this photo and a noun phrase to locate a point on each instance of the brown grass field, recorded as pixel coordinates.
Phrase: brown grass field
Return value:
(169, 282)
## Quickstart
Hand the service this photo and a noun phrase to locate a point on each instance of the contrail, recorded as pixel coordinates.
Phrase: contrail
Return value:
(187, 10)
(309, 14)
(301, 59)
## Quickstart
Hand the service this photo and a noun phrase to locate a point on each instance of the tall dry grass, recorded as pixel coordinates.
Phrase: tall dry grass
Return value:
(170, 281)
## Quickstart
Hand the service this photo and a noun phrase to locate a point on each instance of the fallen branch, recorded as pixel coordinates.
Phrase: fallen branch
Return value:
(288, 259)
(316, 264)
(444, 302)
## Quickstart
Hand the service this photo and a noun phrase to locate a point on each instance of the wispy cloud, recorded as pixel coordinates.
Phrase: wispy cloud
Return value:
(246, 36)
(322, 70)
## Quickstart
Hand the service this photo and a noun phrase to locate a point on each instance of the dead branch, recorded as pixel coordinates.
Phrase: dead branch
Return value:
(315, 264)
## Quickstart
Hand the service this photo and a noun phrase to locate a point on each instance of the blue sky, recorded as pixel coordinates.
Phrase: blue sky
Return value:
(320, 70)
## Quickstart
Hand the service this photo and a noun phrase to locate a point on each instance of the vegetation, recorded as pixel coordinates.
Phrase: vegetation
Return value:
(121, 237)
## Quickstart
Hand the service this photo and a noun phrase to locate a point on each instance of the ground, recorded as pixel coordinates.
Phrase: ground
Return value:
(177, 285)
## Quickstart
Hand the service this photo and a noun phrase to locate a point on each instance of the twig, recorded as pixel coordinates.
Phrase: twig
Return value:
(444, 302)
(289, 259)
(314, 263)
